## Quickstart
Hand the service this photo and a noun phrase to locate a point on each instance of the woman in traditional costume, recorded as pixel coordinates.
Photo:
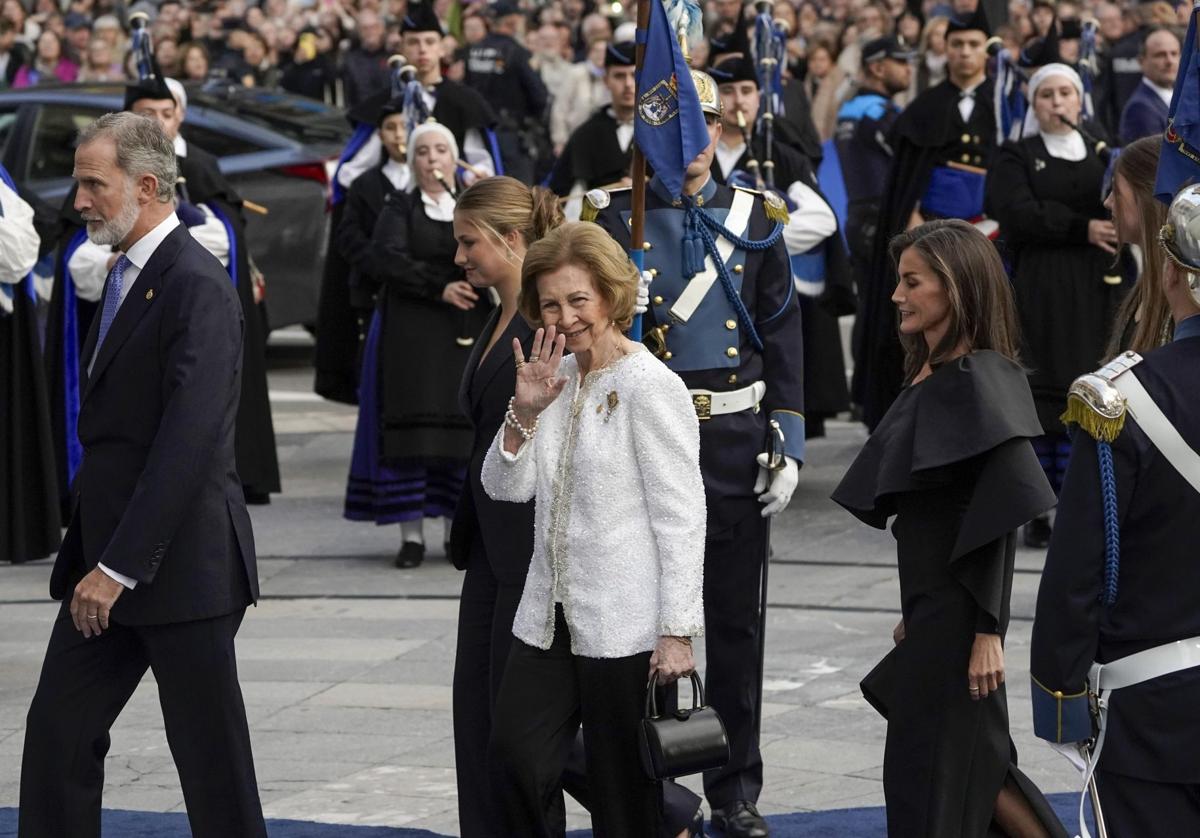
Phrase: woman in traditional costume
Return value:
(1045, 191)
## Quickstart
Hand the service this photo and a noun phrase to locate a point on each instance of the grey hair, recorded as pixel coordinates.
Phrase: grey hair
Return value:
(142, 148)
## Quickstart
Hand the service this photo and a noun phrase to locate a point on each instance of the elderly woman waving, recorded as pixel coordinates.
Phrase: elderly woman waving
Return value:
(607, 443)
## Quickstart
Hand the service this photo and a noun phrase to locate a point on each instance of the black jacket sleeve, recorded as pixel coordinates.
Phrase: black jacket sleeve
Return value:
(1023, 217)
(393, 264)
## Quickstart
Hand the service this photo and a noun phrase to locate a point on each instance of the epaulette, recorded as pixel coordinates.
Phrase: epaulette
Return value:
(596, 200)
(774, 206)
(1095, 404)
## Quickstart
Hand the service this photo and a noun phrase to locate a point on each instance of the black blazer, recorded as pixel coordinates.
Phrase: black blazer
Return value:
(502, 531)
(157, 496)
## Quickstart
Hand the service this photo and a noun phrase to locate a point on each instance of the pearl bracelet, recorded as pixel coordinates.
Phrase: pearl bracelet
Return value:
(510, 419)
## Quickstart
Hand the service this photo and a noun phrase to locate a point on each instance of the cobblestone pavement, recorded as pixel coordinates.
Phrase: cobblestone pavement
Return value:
(346, 662)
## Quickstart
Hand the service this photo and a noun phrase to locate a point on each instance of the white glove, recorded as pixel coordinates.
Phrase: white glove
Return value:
(643, 294)
(776, 486)
(1070, 750)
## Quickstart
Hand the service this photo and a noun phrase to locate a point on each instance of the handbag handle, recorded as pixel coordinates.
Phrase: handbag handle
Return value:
(651, 711)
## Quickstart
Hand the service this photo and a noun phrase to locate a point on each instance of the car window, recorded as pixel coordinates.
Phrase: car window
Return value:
(8, 120)
(217, 143)
(54, 138)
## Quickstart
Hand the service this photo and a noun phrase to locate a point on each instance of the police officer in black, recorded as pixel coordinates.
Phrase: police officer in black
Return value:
(864, 121)
(599, 152)
(1115, 659)
(498, 67)
(731, 328)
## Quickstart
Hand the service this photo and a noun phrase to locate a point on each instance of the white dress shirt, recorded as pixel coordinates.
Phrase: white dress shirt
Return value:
(440, 208)
(19, 240)
(619, 517)
(138, 255)
(1164, 93)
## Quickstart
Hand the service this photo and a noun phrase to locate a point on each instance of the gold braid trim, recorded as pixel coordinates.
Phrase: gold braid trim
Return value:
(1100, 428)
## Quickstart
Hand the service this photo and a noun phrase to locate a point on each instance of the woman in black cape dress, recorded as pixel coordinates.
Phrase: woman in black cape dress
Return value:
(951, 459)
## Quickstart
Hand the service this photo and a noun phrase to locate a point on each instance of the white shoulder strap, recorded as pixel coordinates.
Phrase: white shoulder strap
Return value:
(1162, 433)
(736, 222)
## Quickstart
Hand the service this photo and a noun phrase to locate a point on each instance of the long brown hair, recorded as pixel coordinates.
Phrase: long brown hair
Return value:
(1143, 321)
(982, 312)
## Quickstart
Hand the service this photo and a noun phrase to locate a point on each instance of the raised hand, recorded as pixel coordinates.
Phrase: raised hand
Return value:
(538, 382)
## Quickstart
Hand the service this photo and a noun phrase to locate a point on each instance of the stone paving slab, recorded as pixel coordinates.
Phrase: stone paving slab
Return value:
(346, 664)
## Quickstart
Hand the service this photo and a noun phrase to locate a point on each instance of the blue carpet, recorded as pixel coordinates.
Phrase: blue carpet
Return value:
(835, 823)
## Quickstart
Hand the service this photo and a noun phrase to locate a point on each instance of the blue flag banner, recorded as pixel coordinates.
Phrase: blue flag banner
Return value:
(669, 128)
(1179, 161)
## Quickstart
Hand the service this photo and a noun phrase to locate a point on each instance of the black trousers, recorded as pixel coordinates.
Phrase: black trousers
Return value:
(84, 685)
(1135, 808)
(544, 698)
(733, 562)
(485, 618)
(487, 608)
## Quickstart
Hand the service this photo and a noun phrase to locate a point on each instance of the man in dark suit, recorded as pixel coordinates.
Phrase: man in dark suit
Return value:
(1146, 111)
(157, 565)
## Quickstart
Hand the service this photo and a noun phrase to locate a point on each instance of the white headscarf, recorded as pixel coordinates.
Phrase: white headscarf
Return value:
(1032, 128)
(432, 127)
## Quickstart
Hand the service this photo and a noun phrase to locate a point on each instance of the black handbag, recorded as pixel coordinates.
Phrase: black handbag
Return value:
(687, 741)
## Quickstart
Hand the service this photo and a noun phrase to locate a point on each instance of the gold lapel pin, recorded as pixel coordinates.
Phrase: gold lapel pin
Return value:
(150, 294)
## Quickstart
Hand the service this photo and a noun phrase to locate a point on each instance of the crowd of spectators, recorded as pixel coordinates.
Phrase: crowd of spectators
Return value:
(337, 50)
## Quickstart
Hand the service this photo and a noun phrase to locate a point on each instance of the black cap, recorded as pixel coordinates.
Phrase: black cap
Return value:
(737, 41)
(889, 47)
(152, 87)
(420, 17)
(503, 8)
(733, 68)
(1071, 29)
(976, 21)
(620, 55)
(1040, 51)
(75, 20)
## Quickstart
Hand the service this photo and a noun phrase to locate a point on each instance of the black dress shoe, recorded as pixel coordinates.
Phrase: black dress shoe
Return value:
(257, 498)
(740, 819)
(411, 554)
(1037, 533)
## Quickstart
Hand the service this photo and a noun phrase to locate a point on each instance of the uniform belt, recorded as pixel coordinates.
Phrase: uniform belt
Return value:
(709, 403)
(1133, 669)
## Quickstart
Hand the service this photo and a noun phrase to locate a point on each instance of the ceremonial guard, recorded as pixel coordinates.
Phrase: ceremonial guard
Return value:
(943, 144)
(29, 519)
(1115, 659)
(730, 326)
(815, 249)
(413, 441)
(342, 329)
(599, 152)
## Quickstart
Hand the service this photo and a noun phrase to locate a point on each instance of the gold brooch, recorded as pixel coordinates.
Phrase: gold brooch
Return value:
(611, 403)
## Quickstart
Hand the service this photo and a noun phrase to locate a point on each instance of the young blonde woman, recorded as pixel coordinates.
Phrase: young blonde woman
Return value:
(495, 220)
(951, 460)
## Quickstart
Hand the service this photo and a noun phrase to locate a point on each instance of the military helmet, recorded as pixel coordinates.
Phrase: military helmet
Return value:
(1180, 235)
(706, 89)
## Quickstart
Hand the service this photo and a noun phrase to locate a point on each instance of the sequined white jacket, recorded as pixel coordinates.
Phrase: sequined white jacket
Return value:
(620, 513)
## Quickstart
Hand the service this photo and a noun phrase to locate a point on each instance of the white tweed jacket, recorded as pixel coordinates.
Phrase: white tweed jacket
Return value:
(619, 512)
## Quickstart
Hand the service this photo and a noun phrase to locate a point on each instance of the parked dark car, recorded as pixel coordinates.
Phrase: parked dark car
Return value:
(278, 151)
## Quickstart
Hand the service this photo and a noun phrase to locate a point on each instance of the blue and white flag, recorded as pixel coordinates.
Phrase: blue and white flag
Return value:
(1179, 161)
(669, 128)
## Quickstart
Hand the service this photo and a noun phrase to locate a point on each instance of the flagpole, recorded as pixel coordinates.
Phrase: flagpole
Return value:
(637, 225)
